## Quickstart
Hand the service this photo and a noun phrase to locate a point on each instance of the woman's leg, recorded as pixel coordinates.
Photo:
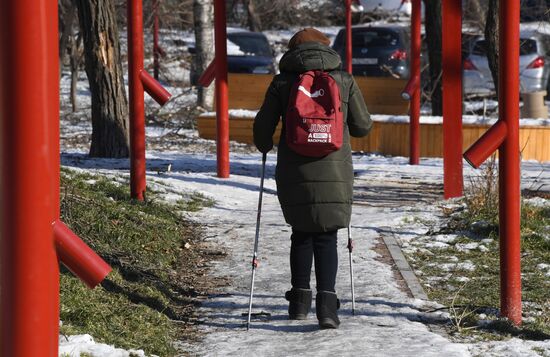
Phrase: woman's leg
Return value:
(326, 265)
(301, 259)
(326, 260)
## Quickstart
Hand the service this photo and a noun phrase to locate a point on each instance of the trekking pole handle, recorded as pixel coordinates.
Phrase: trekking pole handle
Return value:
(255, 262)
(350, 241)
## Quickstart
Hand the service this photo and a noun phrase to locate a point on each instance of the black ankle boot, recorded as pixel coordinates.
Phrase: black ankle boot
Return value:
(326, 305)
(299, 303)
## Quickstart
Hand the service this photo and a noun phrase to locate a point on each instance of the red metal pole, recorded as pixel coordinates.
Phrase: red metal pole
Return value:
(452, 98)
(208, 75)
(349, 52)
(154, 88)
(137, 110)
(486, 145)
(222, 106)
(55, 167)
(412, 85)
(29, 101)
(509, 170)
(78, 257)
(156, 49)
(414, 132)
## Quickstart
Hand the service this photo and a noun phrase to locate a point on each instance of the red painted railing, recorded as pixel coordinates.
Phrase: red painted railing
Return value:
(505, 135)
(138, 81)
(452, 98)
(222, 104)
(209, 74)
(412, 89)
(32, 237)
(349, 52)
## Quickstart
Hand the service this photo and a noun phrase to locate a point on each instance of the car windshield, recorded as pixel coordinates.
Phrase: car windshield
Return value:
(526, 47)
(251, 44)
(375, 38)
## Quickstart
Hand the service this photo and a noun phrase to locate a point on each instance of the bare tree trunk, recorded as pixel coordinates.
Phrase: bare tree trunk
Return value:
(104, 70)
(76, 57)
(67, 43)
(491, 38)
(203, 13)
(475, 12)
(67, 15)
(254, 22)
(432, 21)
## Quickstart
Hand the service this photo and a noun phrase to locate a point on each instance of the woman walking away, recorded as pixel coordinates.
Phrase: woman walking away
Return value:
(321, 106)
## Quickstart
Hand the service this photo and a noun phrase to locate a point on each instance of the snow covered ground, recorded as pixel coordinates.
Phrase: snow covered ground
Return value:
(390, 196)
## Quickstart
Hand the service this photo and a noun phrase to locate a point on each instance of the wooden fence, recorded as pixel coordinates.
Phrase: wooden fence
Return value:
(382, 94)
(389, 138)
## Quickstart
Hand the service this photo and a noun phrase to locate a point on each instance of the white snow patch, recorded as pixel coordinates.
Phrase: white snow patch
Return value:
(513, 347)
(543, 267)
(445, 238)
(75, 346)
(464, 247)
(234, 113)
(437, 245)
(466, 265)
(537, 202)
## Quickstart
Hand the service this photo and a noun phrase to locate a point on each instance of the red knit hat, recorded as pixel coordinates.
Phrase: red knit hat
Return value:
(308, 35)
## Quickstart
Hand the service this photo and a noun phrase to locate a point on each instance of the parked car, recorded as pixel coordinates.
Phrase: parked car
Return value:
(249, 52)
(534, 65)
(377, 51)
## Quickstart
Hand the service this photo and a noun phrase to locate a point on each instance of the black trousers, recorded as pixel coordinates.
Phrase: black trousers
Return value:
(321, 246)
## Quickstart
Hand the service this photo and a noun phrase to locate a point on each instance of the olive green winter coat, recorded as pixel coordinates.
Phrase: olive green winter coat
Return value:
(315, 193)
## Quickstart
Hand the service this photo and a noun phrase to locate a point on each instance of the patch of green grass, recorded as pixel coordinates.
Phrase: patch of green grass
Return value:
(481, 197)
(540, 351)
(478, 290)
(139, 303)
(195, 202)
(473, 295)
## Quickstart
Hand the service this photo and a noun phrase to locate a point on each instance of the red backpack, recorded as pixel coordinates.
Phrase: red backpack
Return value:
(314, 118)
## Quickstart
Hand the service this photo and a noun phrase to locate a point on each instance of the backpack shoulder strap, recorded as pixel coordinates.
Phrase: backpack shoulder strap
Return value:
(339, 77)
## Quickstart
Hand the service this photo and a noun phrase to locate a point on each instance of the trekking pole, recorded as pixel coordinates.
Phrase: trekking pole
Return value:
(350, 249)
(255, 256)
